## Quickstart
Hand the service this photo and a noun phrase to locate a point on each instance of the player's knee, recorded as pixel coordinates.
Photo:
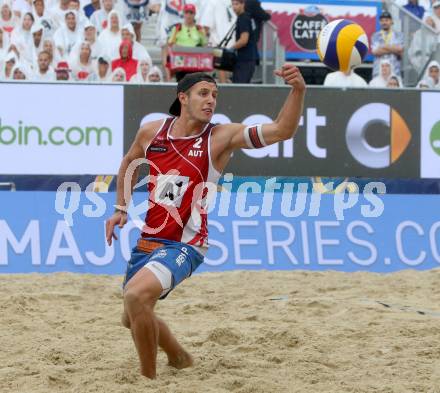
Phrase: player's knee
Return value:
(139, 299)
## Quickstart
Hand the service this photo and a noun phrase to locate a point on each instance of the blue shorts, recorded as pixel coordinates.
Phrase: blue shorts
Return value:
(180, 258)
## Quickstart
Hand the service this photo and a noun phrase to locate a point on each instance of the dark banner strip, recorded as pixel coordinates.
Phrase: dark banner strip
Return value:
(356, 133)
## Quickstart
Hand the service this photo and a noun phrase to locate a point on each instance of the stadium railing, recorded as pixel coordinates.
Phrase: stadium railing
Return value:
(272, 53)
(421, 43)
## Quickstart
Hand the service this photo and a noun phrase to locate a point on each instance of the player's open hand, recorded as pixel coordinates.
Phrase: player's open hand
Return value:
(292, 76)
(118, 218)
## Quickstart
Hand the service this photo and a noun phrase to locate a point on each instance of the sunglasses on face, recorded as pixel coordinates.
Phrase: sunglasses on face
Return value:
(189, 12)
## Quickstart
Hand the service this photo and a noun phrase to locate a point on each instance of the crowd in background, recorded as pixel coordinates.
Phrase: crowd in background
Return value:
(100, 40)
(76, 40)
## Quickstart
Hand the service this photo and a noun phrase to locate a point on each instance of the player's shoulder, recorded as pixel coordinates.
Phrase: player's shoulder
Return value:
(149, 129)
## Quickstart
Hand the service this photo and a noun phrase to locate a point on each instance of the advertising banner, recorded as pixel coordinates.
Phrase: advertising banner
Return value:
(253, 228)
(430, 144)
(60, 129)
(299, 22)
(363, 133)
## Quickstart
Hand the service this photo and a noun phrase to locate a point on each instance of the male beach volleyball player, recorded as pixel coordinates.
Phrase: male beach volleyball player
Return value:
(185, 153)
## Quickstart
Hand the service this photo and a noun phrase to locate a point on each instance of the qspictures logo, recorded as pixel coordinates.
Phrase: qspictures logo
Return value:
(25, 134)
(382, 115)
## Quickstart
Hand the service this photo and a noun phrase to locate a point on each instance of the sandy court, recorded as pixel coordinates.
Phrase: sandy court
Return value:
(249, 332)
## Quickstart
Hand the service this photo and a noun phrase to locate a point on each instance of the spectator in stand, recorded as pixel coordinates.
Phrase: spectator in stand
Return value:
(21, 72)
(81, 19)
(90, 8)
(37, 43)
(258, 14)
(126, 61)
(22, 36)
(218, 18)
(103, 73)
(387, 44)
(434, 19)
(385, 72)
(8, 21)
(89, 35)
(67, 36)
(62, 71)
(171, 13)
(139, 51)
(141, 75)
(100, 17)
(9, 63)
(426, 4)
(426, 83)
(83, 67)
(415, 9)
(58, 12)
(13, 48)
(110, 38)
(245, 45)
(187, 34)
(43, 16)
(136, 12)
(341, 79)
(21, 7)
(432, 74)
(44, 72)
(155, 75)
(50, 47)
(394, 82)
(118, 75)
(4, 44)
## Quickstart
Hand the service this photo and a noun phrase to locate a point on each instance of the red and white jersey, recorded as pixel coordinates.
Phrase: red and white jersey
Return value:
(181, 174)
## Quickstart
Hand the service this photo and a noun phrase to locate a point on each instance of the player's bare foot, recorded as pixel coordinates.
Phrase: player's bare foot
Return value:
(182, 360)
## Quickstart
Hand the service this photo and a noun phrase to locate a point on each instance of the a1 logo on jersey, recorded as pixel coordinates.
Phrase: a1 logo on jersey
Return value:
(195, 151)
(170, 189)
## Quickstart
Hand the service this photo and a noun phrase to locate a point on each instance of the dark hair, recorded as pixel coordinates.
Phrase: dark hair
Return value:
(395, 78)
(31, 15)
(191, 79)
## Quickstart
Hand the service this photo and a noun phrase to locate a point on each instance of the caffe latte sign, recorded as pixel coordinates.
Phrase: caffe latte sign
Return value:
(306, 27)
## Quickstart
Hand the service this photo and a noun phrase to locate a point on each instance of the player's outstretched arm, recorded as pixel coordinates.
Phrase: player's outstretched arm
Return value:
(127, 179)
(285, 125)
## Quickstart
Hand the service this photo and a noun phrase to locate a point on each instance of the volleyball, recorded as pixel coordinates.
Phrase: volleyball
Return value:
(342, 45)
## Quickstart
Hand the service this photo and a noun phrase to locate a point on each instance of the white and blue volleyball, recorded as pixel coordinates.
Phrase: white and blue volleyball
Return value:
(342, 45)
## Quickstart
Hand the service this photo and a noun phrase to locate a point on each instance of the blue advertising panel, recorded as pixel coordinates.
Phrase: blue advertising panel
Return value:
(249, 229)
